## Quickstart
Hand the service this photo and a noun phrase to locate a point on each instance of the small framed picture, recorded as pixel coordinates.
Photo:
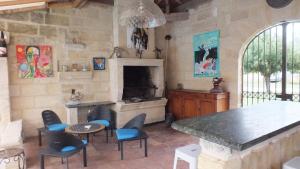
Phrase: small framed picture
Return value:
(99, 63)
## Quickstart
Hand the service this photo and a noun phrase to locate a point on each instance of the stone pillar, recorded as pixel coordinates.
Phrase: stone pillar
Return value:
(4, 92)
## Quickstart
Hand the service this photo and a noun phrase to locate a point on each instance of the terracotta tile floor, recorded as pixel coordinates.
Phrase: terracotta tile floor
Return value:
(161, 145)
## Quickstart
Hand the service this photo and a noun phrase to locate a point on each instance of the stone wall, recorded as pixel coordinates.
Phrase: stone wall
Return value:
(4, 92)
(238, 20)
(92, 26)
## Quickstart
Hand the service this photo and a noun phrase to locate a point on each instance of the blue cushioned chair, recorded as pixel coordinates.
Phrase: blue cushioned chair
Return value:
(132, 131)
(103, 116)
(63, 145)
(51, 123)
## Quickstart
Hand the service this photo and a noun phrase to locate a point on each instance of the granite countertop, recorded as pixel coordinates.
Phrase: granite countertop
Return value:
(88, 104)
(242, 128)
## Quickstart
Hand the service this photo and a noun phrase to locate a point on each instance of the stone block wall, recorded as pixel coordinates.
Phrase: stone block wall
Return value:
(91, 26)
(238, 21)
(4, 92)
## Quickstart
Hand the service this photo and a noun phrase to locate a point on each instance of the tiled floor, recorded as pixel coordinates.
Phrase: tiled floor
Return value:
(161, 145)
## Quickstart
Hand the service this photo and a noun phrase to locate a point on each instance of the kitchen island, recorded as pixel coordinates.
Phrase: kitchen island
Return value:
(263, 136)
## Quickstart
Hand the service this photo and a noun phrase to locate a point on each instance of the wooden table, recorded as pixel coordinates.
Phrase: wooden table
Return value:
(85, 129)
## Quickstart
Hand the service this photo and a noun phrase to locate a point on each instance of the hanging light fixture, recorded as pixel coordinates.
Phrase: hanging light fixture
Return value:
(142, 14)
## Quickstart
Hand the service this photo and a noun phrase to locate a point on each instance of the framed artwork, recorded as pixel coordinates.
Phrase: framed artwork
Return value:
(99, 63)
(206, 54)
(34, 61)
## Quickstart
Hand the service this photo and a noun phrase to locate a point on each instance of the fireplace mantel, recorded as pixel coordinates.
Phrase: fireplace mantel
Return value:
(116, 67)
(155, 109)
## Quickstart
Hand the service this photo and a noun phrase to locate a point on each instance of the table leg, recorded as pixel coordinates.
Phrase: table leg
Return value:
(84, 157)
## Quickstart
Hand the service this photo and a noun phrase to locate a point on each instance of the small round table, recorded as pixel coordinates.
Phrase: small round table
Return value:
(13, 155)
(85, 129)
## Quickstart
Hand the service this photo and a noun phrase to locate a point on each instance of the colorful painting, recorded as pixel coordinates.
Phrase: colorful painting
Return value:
(99, 63)
(206, 54)
(34, 61)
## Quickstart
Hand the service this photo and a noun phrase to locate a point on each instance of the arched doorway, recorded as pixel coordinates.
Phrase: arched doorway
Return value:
(271, 65)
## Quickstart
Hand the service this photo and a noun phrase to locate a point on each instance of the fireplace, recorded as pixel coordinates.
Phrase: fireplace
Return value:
(137, 86)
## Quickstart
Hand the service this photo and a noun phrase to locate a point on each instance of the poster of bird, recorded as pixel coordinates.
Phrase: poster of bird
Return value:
(206, 54)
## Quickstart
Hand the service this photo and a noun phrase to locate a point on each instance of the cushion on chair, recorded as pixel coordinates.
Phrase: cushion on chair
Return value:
(68, 149)
(123, 134)
(84, 142)
(57, 127)
(101, 122)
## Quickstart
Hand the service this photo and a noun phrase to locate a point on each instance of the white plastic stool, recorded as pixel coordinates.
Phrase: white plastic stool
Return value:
(189, 154)
(292, 164)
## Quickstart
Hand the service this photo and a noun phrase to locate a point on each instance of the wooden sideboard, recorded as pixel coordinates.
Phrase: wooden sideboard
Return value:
(190, 103)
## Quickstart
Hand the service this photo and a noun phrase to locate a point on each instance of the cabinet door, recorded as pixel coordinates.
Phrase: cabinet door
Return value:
(207, 107)
(191, 106)
(175, 106)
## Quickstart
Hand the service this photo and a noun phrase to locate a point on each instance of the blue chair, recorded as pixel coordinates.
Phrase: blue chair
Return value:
(63, 145)
(132, 131)
(51, 123)
(103, 116)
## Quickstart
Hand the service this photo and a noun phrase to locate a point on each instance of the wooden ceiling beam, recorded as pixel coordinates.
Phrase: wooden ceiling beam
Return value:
(20, 2)
(11, 11)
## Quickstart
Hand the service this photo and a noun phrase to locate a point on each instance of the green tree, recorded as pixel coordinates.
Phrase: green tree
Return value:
(264, 55)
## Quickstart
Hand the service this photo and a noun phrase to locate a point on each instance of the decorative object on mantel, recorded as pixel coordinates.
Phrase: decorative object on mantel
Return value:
(142, 14)
(206, 54)
(217, 88)
(117, 52)
(157, 52)
(278, 3)
(99, 63)
(75, 98)
(3, 45)
(34, 61)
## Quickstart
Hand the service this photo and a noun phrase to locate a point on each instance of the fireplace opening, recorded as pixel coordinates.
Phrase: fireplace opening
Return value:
(138, 84)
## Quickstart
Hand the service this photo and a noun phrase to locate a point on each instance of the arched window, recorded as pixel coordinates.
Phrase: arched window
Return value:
(271, 65)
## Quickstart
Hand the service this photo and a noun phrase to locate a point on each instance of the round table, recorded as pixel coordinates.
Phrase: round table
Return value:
(13, 154)
(85, 129)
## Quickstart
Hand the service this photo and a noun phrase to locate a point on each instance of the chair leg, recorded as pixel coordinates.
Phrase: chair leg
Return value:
(106, 130)
(84, 157)
(119, 146)
(40, 137)
(122, 150)
(88, 137)
(146, 148)
(141, 144)
(62, 160)
(42, 162)
(111, 131)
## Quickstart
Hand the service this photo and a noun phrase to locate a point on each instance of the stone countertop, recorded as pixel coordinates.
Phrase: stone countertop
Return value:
(242, 128)
(88, 104)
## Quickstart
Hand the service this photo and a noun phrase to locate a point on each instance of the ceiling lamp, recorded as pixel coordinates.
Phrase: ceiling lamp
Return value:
(142, 14)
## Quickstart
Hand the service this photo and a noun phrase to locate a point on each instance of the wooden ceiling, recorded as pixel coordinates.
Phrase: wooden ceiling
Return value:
(12, 6)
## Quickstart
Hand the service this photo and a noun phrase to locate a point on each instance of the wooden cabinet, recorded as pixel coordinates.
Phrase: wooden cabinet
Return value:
(190, 103)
